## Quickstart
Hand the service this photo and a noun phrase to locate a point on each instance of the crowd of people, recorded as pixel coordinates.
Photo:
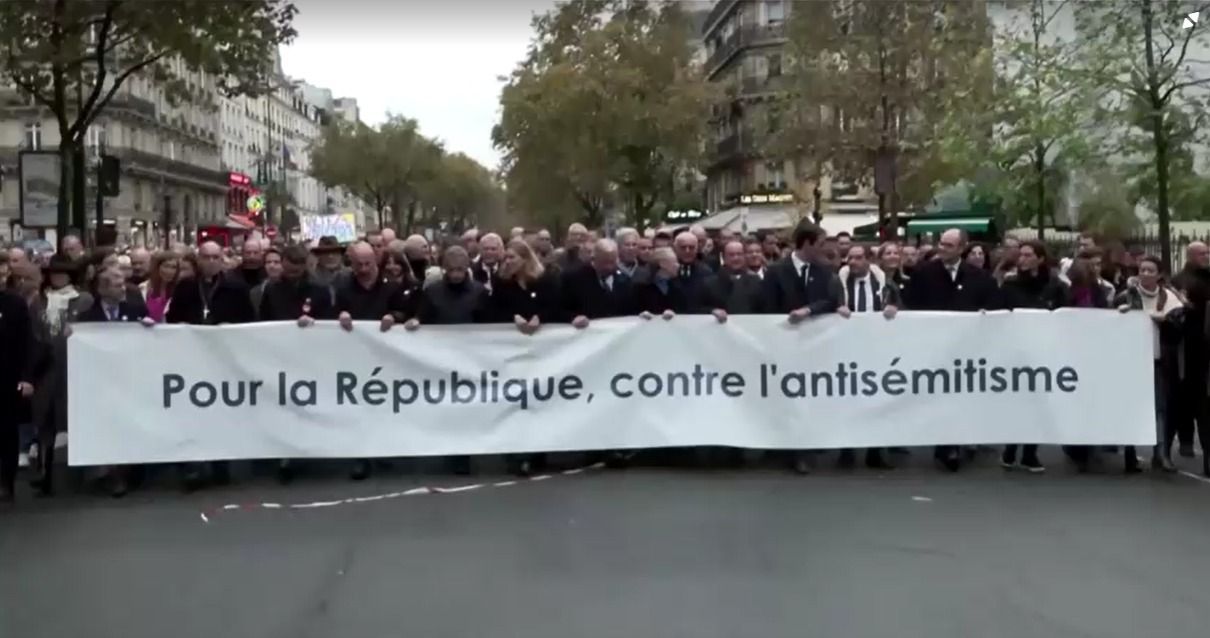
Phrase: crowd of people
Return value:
(526, 280)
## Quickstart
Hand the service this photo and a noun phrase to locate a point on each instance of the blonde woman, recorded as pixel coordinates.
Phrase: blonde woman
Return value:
(525, 294)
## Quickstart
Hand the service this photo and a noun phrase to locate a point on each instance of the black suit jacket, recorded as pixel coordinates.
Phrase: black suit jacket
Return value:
(649, 298)
(785, 290)
(480, 274)
(16, 334)
(933, 288)
(738, 295)
(508, 299)
(128, 310)
(584, 295)
(231, 302)
(286, 301)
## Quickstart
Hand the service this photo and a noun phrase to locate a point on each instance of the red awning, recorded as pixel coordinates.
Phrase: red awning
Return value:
(240, 222)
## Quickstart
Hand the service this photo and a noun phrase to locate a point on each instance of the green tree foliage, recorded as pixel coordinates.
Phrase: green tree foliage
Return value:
(1143, 52)
(72, 56)
(1031, 130)
(1105, 207)
(462, 193)
(606, 107)
(388, 166)
(865, 84)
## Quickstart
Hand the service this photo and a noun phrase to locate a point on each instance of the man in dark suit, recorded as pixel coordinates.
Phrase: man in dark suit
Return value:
(15, 341)
(491, 255)
(692, 274)
(114, 305)
(734, 290)
(949, 283)
(296, 295)
(211, 297)
(598, 291)
(802, 286)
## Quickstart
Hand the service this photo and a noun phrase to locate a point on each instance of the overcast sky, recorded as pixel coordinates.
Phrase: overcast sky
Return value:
(436, 61)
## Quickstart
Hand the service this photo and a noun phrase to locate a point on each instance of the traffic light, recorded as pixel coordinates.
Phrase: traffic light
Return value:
(110, 176)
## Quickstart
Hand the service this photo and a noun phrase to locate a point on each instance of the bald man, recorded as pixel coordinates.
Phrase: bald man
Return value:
(949, 283)
(388, 235)
(140, 265)
(1194, 282)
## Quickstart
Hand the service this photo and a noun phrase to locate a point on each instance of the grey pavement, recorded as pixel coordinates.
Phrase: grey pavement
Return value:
(644, 552)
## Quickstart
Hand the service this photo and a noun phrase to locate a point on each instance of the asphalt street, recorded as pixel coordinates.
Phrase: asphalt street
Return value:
(643, 552)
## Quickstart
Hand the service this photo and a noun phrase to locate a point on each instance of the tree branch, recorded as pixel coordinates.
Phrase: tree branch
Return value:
(117, 84)
(102, 71)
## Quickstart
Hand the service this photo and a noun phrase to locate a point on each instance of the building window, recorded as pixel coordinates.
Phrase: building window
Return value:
(775, 177)
(775, 10)
(775, 65)
(97, 138)
(33, 136)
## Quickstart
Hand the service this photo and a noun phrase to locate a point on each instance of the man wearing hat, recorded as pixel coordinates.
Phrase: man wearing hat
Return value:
(330, 270)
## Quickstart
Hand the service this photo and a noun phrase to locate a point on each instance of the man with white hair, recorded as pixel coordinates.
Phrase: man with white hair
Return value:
(491, 255)
(571, 257)
(517, 232)
(628, 251)
(140, 265)
(470, 241)
(691, 272)
(388, 235)
(599, 291)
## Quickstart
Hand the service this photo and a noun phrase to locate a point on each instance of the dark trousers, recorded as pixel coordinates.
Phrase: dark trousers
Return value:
(10, 447)
(1193, 409)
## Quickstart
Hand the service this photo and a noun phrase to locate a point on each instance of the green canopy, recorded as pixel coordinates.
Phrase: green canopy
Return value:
(940, 224)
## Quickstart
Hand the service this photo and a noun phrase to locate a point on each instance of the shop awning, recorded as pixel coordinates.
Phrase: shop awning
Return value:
(969, 224)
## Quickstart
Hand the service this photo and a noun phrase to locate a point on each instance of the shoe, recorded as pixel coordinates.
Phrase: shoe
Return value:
(118, 486)
(285, 473)
(801, 464)
(361, 471)
(1132, 468)
(1008, 460)
(460, 465)
(220, 474)
(23, 460)
(525, 469)
(42, 485)
(876, 461)
(33, 451)
(952, 461)
(192, 481)
(1162, 463)
(617, 459)
(1033, 466)
(847, 460)
(1186, 450)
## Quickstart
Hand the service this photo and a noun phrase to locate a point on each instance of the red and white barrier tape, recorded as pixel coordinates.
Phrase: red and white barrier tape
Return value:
(415, 491)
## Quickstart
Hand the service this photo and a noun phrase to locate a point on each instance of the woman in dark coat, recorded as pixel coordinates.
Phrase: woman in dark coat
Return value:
(527, 296)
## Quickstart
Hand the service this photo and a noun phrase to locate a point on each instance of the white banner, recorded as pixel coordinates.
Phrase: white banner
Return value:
(178, 393)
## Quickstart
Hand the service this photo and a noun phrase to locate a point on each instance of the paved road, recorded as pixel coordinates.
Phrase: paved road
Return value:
(699, 554)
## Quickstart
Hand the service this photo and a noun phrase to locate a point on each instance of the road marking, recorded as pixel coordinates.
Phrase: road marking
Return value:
(415, 491)
(1196, 477)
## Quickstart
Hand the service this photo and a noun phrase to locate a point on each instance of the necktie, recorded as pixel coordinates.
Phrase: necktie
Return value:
(861, 307)
(112, 311)
(686, 271)
(806, 269)
(605, 284)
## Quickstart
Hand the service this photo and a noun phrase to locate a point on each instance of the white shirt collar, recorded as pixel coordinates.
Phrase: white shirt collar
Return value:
(798, 262)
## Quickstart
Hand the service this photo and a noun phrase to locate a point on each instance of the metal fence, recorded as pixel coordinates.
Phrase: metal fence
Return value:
(1147, 242)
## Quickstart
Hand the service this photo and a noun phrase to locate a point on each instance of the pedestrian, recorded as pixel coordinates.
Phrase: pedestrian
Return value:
(491, 255)
(367, 296)
(113, 304)
(802, 286)
(866, 289)
(1083, 291)
(527, 296)
(692, 273)
(1192, 409)
(273, 271)
(754, 259)
(251, 263)
(1032, 286)
(15, 385)
(1148, 293)
(205, 295)
(735, 290)
(950, 283)
(156, 289)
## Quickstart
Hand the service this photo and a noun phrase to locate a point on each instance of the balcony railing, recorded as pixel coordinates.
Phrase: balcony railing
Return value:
(721, 8)
(134, 160)
(746, 37)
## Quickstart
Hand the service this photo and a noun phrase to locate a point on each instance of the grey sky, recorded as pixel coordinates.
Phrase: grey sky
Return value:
(437, 62)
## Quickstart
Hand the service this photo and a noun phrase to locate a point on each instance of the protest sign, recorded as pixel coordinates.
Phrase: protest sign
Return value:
(278, 391)
(343, 227)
